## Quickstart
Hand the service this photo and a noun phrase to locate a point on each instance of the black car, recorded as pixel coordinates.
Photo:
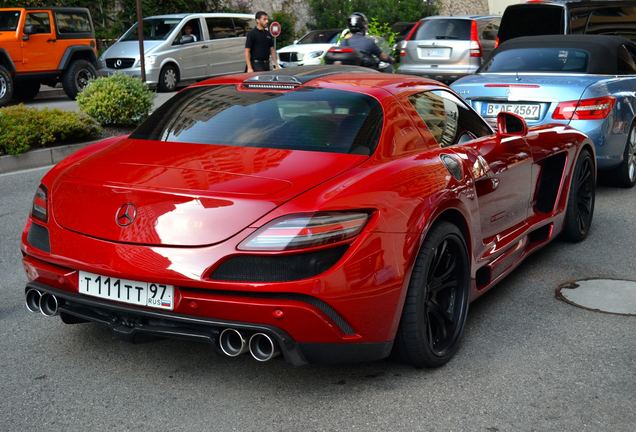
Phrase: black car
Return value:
(608, 17)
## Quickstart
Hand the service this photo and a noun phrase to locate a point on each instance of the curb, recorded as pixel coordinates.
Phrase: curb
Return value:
(39, 158)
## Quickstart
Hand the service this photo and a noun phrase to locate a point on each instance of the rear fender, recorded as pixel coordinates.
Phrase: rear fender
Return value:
(76, 52)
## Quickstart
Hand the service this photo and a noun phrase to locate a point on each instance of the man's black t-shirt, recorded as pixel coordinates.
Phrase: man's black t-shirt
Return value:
(259, 42)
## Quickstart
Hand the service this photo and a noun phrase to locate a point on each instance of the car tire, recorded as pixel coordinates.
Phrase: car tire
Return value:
(581, 198)
(6, 86)
(168, 78)
(626, 172)
(77, 77)
(436, 303)
(26, 90)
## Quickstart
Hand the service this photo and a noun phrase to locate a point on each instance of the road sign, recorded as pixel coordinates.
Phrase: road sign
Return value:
(275, 29)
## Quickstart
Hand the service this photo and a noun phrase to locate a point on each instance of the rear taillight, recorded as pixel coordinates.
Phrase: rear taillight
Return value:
(585, 109)
(306, 231)
(475, 46)
(497, 42)
(40, 209)
(413, 30)
(339, 50)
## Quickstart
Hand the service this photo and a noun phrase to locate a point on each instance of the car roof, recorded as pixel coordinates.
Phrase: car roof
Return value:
(603, 49)
(464, 17)
(355, 76)
(204, 14)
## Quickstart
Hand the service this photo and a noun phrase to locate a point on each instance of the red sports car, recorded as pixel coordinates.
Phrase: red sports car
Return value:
(327, 214)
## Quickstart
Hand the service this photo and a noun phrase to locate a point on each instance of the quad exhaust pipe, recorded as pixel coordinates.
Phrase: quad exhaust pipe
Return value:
(261, 346)
(45, 303)
(233, 343)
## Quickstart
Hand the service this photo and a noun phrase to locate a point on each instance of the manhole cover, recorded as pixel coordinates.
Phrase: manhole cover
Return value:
(604, 295)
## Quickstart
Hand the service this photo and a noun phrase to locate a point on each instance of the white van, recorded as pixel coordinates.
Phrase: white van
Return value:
(181, 47)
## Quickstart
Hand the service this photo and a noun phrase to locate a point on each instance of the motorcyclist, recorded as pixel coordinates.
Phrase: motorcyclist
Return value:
(358, 26)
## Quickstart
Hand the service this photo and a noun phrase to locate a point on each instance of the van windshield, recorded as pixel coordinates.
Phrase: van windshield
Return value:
(313, 119)
(9, 20)
(154, 29)
(548, 60)
(531, 20)
(440, 29)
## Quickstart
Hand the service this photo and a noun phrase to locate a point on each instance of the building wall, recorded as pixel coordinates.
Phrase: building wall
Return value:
(497, 7)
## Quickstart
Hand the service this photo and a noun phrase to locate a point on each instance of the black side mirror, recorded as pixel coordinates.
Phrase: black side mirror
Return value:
(509, 124)
(186, 39)
(28, 30)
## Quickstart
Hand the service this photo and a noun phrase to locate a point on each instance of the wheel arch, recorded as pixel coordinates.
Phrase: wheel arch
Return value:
(5, 60)
(77, 52)
(170, 62)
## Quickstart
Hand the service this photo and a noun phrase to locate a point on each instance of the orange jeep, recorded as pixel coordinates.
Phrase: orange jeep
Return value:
(45, 46)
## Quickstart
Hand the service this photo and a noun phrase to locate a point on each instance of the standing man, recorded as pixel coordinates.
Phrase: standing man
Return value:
(259, 46)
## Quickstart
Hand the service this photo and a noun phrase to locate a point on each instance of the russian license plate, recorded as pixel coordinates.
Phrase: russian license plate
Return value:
(149, 294)
(527, 111)
(434, 52)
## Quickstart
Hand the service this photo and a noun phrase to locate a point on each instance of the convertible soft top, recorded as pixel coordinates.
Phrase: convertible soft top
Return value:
(603, 50)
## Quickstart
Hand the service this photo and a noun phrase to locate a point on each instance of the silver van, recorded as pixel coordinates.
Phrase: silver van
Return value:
(181, 47)
(446, 48)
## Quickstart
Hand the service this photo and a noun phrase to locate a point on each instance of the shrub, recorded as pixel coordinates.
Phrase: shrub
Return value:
(22, 128)
(118, 100)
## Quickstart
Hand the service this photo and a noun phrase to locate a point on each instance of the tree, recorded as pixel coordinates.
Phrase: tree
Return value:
(334, 13)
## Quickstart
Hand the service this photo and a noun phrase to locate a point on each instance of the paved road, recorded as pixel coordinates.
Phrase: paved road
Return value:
(55, 98)
(528, 363)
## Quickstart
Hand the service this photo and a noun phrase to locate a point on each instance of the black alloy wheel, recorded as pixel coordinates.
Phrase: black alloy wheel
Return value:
(436, 305)
(77, 77)
(580, 210)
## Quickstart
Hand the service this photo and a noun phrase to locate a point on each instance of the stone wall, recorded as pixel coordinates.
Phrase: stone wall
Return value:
(299, 8)
(463, 7)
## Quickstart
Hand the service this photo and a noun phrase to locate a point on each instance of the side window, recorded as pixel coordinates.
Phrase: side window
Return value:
(612, 20)
(626, 64)
(40, 22)
(72, 22)
(243, 26)
(191, 28)
(447, 118)
(220, 28)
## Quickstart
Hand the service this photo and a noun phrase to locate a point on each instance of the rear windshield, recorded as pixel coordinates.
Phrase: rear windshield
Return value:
(453, 29)
(320, 37)
(550, 60)
(154, 29)
(531, 20)
(9, 20)
(305, 119)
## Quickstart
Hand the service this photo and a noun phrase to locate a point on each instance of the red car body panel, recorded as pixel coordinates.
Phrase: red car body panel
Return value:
(196, 203)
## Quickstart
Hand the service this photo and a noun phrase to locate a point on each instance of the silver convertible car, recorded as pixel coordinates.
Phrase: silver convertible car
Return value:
(585, 81)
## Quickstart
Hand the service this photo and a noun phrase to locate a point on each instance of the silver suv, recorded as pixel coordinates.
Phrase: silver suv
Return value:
(181, 47)
(447, 48)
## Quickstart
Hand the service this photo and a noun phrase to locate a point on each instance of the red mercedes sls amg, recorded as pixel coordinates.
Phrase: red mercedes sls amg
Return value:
(328, 214)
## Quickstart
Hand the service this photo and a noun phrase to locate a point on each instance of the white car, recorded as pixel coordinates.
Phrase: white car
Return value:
(308, 50)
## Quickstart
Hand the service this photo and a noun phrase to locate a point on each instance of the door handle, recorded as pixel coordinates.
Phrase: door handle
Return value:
(204, 46)
(51, 40)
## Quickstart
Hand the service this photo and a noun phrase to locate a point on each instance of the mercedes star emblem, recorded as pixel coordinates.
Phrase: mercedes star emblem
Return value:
(118, 63)
(126, 215)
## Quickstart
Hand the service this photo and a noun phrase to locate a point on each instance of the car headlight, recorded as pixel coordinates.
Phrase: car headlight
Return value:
(315, 54)
(150, 60)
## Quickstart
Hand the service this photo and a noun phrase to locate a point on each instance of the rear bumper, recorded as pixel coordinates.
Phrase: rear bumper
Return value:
(130, 321)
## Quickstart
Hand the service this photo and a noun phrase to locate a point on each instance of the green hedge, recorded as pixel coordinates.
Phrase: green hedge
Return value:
(22, 128)
(118, 100)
